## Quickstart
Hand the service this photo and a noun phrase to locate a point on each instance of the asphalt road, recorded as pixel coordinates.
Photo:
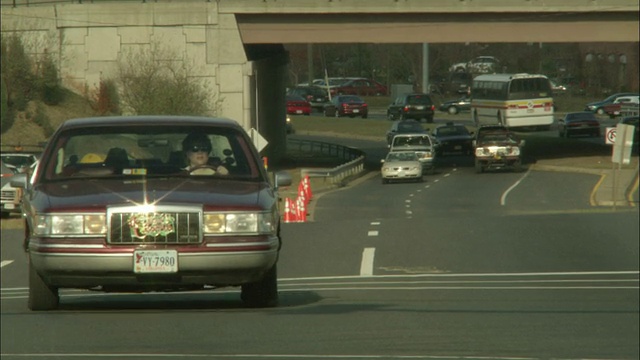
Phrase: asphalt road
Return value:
(462, 266)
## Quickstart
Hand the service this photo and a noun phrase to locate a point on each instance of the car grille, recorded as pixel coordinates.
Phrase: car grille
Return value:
(9, 195)
(159, 227)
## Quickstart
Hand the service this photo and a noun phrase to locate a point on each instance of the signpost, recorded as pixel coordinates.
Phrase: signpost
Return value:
(622, 139)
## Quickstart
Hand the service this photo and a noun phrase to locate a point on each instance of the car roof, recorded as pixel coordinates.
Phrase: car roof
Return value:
(151, 120)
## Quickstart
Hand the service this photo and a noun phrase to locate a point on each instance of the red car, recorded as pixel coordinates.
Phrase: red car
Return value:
(347, 105)
(360, 86)
(297, 105)
(111, 207)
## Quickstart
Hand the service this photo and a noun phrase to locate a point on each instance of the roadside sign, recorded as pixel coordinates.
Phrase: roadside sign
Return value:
(258, 140)
(610, 135)
(622, 147)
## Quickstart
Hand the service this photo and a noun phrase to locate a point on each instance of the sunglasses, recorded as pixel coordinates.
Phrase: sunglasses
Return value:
(196, 148)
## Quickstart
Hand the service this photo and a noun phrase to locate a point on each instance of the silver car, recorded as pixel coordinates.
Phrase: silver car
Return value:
(401, 165)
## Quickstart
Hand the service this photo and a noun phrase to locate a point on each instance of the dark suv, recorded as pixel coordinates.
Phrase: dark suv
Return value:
(412, 106)
(315, 95)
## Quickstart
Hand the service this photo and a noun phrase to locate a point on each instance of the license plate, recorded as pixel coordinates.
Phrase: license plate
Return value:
(298, 111)
(9, 206)
(420, 107)
(155, 261)
(356, 111)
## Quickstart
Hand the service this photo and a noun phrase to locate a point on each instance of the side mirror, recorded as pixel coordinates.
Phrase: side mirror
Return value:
(282, 178)
(20, 180)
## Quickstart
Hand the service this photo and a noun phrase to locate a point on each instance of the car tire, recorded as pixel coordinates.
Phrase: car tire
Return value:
(600, 111)
(452, 110)
(517, 166)
(262, 293)
(479, 168)
(41, 296)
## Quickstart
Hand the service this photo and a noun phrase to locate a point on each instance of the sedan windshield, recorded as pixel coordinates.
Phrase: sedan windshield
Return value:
(145, 151)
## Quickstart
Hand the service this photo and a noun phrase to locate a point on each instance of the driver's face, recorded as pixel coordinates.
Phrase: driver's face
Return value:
(198, 157)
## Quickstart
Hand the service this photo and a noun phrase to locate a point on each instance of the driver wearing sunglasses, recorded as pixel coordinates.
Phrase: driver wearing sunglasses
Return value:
(197, 148)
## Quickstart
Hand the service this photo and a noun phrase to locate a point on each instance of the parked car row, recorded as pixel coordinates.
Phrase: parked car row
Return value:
(349, 86)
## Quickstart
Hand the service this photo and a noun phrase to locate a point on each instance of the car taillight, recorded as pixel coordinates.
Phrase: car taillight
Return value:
(364, 105)
(433, 107)
(406, 108)
(7, 175)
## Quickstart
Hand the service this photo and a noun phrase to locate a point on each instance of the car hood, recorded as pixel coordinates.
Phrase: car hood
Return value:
(402, 163)
(96, 195)
(453, 138)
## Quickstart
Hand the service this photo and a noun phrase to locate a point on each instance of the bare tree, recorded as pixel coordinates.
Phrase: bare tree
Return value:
(158, 80)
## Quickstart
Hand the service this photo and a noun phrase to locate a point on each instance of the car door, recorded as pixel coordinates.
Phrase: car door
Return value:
(395, 109)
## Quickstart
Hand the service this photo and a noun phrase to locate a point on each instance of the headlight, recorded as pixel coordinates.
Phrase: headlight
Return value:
(72, 224)
(480, 152)
(591, 107)
(239, 223)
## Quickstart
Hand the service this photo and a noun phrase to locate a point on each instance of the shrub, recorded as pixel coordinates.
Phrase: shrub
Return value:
(106, 100)
(7, 118)
(151, 84)
(17, 72)
(50, 90)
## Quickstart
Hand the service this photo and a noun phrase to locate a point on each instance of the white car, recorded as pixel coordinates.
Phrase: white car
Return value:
(401, 165)
(478, 65)
(9, 196)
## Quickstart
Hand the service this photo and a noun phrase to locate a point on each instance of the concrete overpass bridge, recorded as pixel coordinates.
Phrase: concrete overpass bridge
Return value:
(237, 45)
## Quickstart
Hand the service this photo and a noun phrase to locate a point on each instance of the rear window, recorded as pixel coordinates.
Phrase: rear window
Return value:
(419, 100)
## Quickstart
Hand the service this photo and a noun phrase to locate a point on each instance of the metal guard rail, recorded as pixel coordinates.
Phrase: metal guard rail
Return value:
(353, 159)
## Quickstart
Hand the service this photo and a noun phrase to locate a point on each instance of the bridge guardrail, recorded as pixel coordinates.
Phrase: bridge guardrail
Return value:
(353, 159)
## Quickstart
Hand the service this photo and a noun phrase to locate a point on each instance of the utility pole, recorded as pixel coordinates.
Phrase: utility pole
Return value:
(310, 63)
(425, 68)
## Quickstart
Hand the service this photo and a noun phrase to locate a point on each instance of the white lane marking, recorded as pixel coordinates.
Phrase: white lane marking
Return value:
(410, 195)
(408, 201)
(5, 263)
(372, 233)
(436, 180)
(366, 266)
(269, 356)
(426, 187)
(447, 174)
(408, 212)
(569, 273)
(503, 199)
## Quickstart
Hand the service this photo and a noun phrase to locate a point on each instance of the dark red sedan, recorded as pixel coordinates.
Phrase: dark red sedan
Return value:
(579, 123)
(360, 86)
(297, 105)
(347, 105)
(113, 207)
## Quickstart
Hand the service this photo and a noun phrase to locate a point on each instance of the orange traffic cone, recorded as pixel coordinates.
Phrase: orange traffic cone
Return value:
(307, 187)
(302, 210)
(289, 214)
(302, 194)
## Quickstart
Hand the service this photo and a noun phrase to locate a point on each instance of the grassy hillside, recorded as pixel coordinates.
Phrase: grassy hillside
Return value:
(26, 132)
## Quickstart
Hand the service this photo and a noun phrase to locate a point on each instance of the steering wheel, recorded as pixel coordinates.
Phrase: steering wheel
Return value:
(203, 170)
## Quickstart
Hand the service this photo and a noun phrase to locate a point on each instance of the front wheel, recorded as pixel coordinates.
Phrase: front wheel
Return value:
(600, 111)
(41, 295)
(262, 293)
(479, 168)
